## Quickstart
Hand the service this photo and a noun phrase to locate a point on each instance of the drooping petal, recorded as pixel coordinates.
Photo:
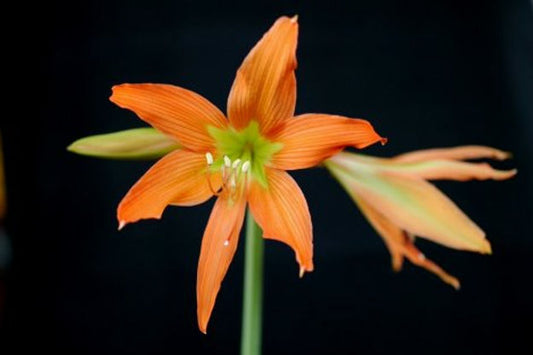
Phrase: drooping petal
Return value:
(389, 232)
(281, 211)
(434, 169)
(400, 244)
(309, 139)
(455, 153)
(413, 204)
(219, 243)
(179, 178)
(178, 112)
(265, 85)
(137, 143)
(416, 257)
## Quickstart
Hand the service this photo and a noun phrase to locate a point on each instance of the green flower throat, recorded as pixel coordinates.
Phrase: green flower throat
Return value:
(236, 148)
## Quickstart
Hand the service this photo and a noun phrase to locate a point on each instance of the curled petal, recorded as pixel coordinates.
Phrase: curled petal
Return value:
(309, 139)
(265, 85)
(175, 111)
(178, 178)
(281, 211)
(414, 205)
(219, 243)
(466, 152)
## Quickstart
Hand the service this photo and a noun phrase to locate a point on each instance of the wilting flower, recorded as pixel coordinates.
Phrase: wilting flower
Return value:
(400, 204)
(240, 159)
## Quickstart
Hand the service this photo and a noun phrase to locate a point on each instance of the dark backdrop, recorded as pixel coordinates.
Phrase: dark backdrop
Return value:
(425, 73)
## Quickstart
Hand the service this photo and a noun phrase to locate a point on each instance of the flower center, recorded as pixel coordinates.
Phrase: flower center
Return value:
(240, 155)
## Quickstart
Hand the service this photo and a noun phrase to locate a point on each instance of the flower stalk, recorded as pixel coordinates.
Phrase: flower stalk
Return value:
(252, 304)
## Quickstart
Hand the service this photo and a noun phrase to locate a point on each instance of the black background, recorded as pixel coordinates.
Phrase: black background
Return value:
(425, 73)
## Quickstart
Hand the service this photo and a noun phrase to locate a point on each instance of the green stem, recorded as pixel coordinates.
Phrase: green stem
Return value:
(252, 304)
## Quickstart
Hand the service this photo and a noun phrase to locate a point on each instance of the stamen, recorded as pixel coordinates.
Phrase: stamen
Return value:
(236, 163)
(208, 177)
(224, 177)
(209, 158)
(227, 161)
(233, 181)
(245, 166)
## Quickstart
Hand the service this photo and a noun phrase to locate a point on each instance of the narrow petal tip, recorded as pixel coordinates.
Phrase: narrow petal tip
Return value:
(502, 155)
(294, 19)
(397, 264)
(486, 248)
(121, 224)
(511, 173)
(304, 269)
(383, 140)
(503, 174)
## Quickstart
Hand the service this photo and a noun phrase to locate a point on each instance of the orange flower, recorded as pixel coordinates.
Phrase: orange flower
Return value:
(241, 159)
(399, 203)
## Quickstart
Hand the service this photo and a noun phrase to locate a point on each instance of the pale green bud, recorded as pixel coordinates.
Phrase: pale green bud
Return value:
(131, 144)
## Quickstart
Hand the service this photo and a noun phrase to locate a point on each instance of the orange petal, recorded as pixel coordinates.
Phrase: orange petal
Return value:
(309, 139)
(453, 170)
(389, 232)
(178, 178)
(281, 211)
(178, 112)
(413, 204)
(456, 153)
(219, 243)
(433, 169)
(400, 244)
(265, 85)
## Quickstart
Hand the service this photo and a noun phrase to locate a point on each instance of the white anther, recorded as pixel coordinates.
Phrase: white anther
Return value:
(226, 243)
(245, 166)
(209, 158)
(227, 161)
(236, 163)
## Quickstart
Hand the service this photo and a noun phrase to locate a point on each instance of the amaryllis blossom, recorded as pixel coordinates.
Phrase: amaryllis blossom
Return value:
(400, 204)
(241, 158)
